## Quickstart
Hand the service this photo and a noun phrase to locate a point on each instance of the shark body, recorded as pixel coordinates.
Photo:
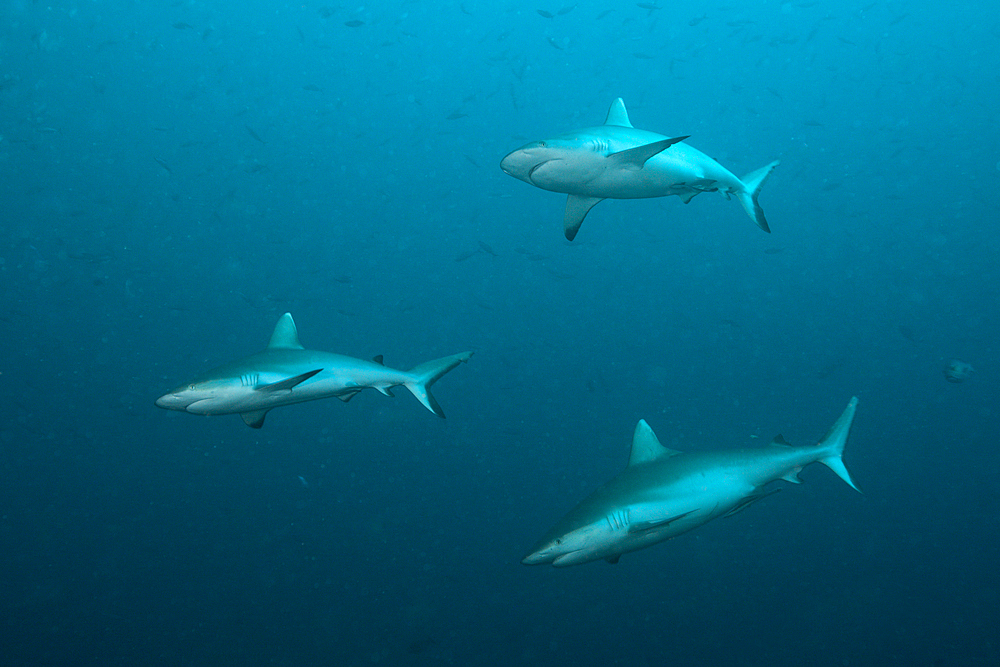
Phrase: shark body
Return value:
(285, 373)
(663, 493)
(617, 161)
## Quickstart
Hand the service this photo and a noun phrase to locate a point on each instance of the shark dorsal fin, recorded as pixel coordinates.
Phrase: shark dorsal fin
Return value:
(617, 115)
(646, 447)
(779, 441)
(285, 336)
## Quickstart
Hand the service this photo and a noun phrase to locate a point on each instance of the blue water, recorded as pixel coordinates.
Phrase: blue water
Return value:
(175, 176)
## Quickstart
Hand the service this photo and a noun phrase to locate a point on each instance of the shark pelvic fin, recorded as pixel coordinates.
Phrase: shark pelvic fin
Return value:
(836, 439)
(285, 336)
(645, 445)
(426, 374)
(349, 395)
(286, 385)
(752, 183)
(617, 114)
(254, 419)
(747, 501)
(635, 158)
(577, 209)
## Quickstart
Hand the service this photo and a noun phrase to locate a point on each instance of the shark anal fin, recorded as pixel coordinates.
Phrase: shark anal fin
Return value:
(643, 526)
(254, 419)
(285, 385)
(635, 158)
(349, 395)
(614, 559)
(577, 208)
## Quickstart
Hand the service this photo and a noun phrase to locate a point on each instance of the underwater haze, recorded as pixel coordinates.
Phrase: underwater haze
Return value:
(176, 175)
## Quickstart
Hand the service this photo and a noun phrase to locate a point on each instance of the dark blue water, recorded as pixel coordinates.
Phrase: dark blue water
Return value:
(175, 176)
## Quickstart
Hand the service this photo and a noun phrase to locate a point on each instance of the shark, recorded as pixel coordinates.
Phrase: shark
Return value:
(663, 493)
(617, 161)
(285, 373)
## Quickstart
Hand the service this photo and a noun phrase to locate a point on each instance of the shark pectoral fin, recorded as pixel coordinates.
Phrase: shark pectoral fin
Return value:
(577, 208)
(635, 158)
(285, 385)
(688, 195)
(643, 526)
(254, 419)
(614, 559)
(349, 395)
(750, 500)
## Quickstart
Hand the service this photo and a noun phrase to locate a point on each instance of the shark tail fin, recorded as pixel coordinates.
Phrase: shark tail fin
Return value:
(752, 183)
(427, 374)
(834, 442)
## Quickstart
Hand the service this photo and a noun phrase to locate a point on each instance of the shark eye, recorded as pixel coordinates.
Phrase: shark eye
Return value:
(558, 541)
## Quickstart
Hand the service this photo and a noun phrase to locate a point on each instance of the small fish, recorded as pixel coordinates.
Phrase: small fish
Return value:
(545, 14)
(773, 251)
(566, 10)
(254, 135)
(304, 482)
(180, 25)
(487, 249)
(554, 43)
(698, 19)
(354, 23)
(455, 115)
(312, 87)
(163, 164)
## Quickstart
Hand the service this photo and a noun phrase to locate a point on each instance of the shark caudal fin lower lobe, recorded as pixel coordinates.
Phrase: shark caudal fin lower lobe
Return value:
(427, 374)
(752, 183)
(834, 442)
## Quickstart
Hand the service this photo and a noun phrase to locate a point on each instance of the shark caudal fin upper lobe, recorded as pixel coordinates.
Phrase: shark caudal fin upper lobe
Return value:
(752, 184)
(427, 374)
(834, 442)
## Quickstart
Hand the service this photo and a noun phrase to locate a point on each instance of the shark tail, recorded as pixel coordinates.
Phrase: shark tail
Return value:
(834, 442)
(427, 374)
(752, 183)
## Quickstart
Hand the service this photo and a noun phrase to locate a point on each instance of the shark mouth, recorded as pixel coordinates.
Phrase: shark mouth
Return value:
(535, 168)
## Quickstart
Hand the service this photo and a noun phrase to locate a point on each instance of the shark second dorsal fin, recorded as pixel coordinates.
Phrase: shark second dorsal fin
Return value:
(646, 447)
(285, 336)
(617, 115)
(779, 441)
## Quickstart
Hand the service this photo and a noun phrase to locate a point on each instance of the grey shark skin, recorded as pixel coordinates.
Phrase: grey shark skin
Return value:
(285, 373)
(663, 493)
(617, 161)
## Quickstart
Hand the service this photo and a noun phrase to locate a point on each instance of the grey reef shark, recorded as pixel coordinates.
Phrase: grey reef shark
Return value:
(617, 161)
(663, 493)
(285, 373)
